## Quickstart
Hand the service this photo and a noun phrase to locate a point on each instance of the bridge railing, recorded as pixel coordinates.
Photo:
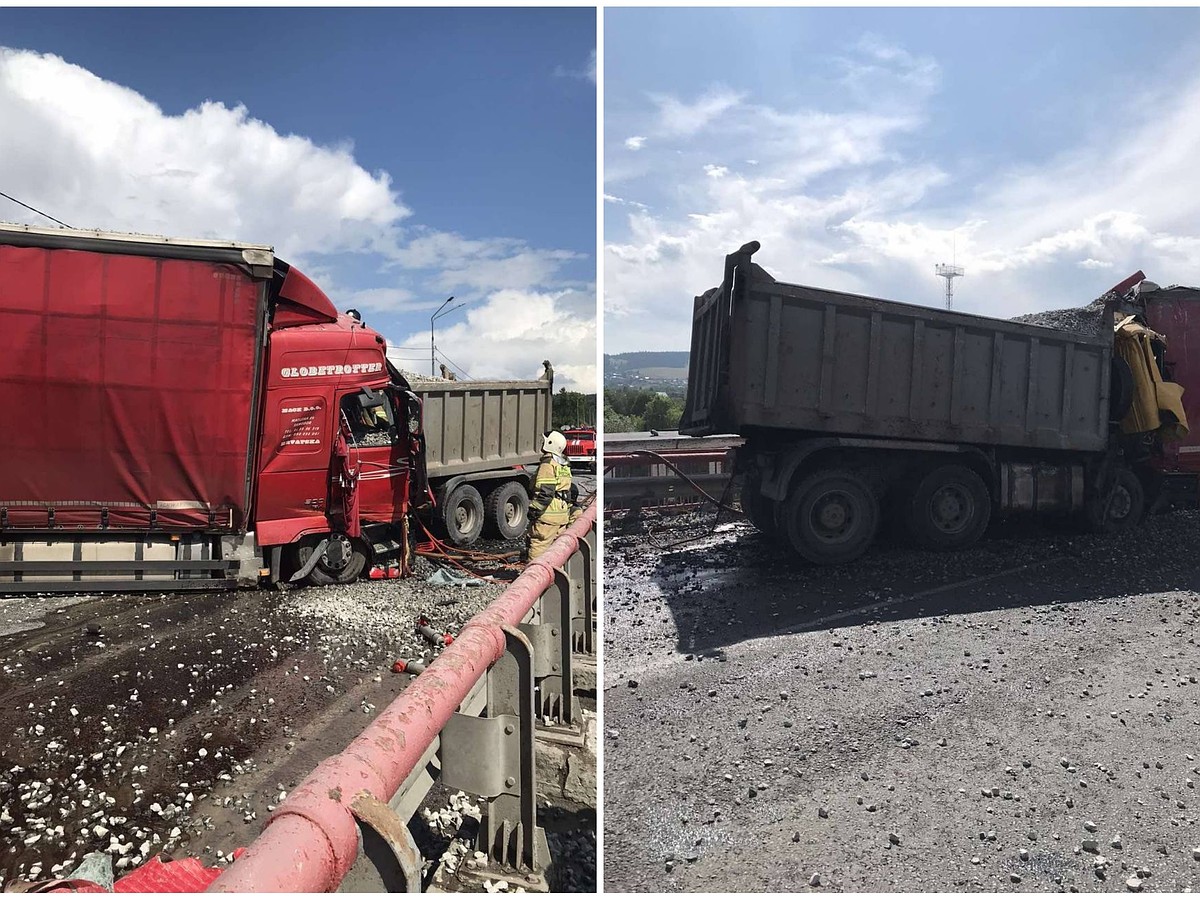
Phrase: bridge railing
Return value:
(646, 473)
(469, 721)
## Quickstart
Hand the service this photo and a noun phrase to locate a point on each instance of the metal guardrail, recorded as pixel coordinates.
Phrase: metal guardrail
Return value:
(468, 721)
(635, 480)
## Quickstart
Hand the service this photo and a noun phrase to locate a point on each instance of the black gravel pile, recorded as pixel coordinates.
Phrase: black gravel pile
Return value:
(1082, 319)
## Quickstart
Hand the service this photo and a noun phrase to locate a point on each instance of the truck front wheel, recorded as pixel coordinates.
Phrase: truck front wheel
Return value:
(1120, 508)
(508, 510)
(830, 518)
(948, 509)
(462, 515)
(341, 562)
(759, 510)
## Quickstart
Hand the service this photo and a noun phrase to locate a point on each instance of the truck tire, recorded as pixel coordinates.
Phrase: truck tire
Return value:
(948, 509)
(830, 518)
(507, 510)
(341, 563)
(462, 514)
(1118, 509)
(759, 510)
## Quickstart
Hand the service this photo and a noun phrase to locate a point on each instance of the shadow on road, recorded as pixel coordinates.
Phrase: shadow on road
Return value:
(740, 585)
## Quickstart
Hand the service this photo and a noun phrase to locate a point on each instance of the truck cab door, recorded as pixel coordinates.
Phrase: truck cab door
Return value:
(344, 514)
(373, 437)
(411, 416)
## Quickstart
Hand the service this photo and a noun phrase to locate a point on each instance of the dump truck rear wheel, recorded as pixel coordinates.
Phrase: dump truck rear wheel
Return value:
(508, 510)
(759, 510)
(830, 518)
(342, 561)
(948, 509)
(462, 515)
(1120, 508)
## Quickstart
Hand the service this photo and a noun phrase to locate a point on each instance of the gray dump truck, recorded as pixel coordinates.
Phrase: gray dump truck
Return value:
(858, 412)
(483, 441)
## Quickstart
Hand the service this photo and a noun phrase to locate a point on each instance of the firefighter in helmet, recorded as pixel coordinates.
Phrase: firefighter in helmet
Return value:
(553, 507)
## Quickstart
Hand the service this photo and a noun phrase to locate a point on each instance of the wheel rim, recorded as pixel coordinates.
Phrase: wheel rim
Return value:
(1120, 504)
(337, 553)
(464, 517)
(834, 516)
(512, 513)
(951, 509)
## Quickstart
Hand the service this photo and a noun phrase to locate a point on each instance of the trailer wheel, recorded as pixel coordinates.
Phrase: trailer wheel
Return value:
(1120, 508)
(342, 561)
(759, 510)
(462, 514)
(948, 509)
(830, 518)
(508, 510)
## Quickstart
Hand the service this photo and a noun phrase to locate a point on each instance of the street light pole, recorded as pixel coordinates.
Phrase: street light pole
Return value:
(441, 311)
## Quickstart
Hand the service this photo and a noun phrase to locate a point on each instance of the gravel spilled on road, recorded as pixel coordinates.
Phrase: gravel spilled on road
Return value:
(916, 721)
(174, 724)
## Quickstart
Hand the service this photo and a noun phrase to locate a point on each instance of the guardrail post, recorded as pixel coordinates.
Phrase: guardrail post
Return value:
(388, 859)
(580, 570)
(493, 757)
(550, 637)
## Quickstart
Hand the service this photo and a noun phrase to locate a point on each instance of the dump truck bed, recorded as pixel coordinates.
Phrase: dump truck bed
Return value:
(477, 426)
(770, 355)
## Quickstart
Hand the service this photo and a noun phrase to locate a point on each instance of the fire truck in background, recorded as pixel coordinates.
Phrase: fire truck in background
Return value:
(581, 446)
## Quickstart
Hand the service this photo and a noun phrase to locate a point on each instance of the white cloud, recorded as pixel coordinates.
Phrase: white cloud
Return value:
(881, 66)
(854, 200)
(98, 155)
(586, 72)
(679, 118)
(635, 143)
(481, 264)
(621, 201)
(512, 331)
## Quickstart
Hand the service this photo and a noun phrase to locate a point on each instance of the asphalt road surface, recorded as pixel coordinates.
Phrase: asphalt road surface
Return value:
(1024, 715)
(146, 724)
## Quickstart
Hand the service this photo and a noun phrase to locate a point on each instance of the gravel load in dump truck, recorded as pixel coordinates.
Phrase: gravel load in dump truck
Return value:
(1081, 320)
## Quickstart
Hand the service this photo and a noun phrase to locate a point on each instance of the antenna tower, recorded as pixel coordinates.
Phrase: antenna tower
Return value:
(949, 273)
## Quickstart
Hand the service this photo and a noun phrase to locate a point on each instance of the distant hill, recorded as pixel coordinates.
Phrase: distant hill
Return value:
(660, 370)
(646, 359)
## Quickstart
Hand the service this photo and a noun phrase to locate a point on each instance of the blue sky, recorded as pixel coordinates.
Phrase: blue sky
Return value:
(1053, 151)
(398, 155)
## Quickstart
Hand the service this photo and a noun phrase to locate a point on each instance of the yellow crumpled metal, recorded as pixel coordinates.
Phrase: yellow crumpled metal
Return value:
(1157, 404)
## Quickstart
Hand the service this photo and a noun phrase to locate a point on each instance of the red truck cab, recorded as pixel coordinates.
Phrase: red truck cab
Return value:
(340, 436)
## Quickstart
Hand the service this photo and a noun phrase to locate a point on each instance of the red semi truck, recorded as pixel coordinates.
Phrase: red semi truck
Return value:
(193, 412)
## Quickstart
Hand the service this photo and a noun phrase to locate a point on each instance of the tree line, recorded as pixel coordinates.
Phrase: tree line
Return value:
(573, 408)
(638, 409)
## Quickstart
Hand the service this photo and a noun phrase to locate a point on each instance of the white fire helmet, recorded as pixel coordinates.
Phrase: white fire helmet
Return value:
(554, 443)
